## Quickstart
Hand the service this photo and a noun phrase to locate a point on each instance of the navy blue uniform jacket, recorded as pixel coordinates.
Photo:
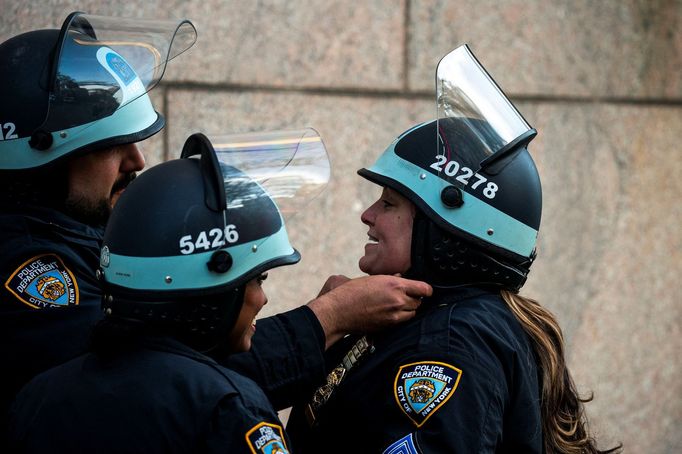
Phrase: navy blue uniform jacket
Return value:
(161, 397)
(460, 377)
(49, 297)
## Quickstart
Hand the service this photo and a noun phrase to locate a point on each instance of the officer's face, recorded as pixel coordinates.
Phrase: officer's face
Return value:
(390, 234)
(97, 179)
(245, 328)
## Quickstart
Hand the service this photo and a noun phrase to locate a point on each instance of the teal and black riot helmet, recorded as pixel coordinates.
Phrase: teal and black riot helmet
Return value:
(188, 234)
(83, 87)
(471, 177)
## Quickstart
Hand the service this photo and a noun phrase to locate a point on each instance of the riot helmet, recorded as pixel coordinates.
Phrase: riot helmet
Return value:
(83, 87)
(471, 177)
(188, 234)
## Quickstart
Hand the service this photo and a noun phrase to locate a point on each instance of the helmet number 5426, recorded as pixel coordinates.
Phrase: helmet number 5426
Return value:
(212, 239)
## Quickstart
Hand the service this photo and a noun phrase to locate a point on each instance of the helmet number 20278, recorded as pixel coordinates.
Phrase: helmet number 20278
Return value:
(212, 239)
(451, 168)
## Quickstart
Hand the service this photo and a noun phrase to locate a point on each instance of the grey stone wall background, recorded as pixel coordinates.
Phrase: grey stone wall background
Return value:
(600, 80)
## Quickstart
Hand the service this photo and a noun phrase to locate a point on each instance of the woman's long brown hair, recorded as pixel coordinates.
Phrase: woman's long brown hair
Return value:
(564, 423)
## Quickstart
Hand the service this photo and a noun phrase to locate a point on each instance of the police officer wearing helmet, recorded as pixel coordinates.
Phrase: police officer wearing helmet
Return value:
(184, 258)
(480, 368)
(74, 105)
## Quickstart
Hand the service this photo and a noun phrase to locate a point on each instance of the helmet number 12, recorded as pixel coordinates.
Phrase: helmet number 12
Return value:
(7, 131)
(212, 239)
(452, 168)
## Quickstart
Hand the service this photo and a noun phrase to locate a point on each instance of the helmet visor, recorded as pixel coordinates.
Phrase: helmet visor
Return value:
(466, 95)
(292, 166)
(104, 63)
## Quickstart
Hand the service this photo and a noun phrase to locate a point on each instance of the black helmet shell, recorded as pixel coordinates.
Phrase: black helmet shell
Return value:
(161, 240)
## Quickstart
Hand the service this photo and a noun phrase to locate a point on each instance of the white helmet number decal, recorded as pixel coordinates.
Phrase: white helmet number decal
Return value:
(212, 239)
(7, 131)
(452, 168)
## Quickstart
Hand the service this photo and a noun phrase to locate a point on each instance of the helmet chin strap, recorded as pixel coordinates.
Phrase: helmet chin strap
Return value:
(201, 322)
(221, 346)
(418, 268)
(447, 261)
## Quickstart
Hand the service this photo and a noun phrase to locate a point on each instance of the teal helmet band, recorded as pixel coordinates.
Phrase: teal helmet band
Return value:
(132, 123)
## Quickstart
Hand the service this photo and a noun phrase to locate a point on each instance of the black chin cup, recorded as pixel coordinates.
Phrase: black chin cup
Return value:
(444, 259)
(202, 322)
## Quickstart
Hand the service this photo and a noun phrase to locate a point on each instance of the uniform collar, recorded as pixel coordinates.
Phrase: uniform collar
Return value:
(56, 219)
(171, 345)
(452, 295)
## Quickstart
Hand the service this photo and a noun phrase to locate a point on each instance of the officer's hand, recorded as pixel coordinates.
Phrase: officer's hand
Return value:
(367, 304)
(333, 282)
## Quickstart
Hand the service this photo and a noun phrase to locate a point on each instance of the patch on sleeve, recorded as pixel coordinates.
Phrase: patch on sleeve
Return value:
(266, 438)
(422, 388)
(44, 281)
(403, 446)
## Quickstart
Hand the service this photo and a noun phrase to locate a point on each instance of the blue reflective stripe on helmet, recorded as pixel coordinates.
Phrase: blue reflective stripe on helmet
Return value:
(190, 271)
(130, 119)
(478, 218)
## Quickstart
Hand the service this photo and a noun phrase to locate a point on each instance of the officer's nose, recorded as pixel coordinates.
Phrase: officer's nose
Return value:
(367, 217)
(133, 159)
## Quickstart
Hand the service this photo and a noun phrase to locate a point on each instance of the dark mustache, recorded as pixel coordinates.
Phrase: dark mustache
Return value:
(123, 182)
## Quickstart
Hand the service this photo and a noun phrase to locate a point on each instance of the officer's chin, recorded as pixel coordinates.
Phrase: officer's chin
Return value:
(94, 213)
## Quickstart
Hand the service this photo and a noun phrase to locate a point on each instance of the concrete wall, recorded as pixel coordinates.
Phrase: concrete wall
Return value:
(600, 80)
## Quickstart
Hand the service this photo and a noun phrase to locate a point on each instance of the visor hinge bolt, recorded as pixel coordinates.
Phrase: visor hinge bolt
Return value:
(168, 279)
(40, 140)
(63, 134)
(221, 262)
(490, 232)
(451, 197)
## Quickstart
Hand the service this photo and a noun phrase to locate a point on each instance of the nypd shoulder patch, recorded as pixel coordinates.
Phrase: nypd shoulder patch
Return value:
(403, 446)
(422, 388)
(42, 282)
(266, 438)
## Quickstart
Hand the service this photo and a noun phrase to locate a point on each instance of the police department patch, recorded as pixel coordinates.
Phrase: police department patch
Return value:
(403, 446)
(422, 388)
(44, 281)
(266, 438)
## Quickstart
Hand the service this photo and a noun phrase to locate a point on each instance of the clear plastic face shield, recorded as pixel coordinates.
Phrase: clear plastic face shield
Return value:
(477, 123)
(258, 180)
(102, 64)
(292, 166)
